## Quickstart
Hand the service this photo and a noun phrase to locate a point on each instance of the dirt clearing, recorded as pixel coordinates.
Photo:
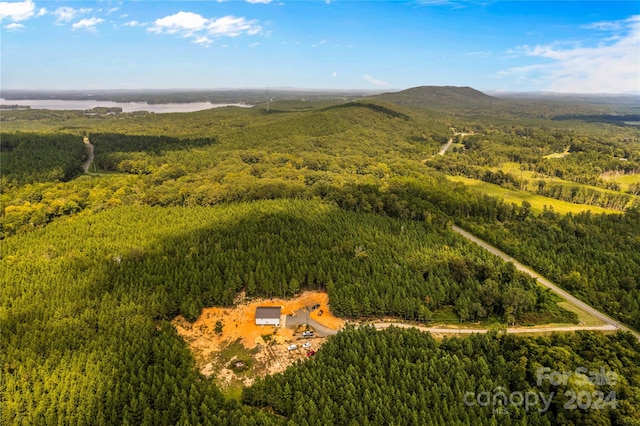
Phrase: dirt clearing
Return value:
(227, 343)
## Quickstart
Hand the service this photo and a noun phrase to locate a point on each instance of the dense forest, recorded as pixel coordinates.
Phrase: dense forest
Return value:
(596, 257)
(31, 157)
(112, 280)
(183, 211)
(396, 376)
(363, 156)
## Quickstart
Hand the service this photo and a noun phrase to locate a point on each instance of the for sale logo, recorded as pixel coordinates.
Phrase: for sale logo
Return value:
(588, 398)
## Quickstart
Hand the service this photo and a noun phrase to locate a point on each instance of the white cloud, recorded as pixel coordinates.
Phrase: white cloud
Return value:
(185, 22)
(204, 40)
(320, 43)
(606, 25)
(17, 11)
(610, 66)
(133, 23)
(87, 24)
(231, 26)
(335, 74)
(193, 25)
(259, 1)
(14, 26)
(66, 13)
(375, 81)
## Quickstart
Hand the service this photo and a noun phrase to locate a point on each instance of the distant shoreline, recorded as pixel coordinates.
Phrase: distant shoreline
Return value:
(88, 105)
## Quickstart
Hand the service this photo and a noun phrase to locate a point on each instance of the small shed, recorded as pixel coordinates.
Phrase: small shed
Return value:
(268, 315)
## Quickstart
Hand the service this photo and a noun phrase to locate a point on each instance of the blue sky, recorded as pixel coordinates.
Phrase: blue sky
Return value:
(559, 46)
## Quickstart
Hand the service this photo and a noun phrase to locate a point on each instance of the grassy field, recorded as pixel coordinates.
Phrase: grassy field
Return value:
(533, 177)
(514, 169)
(623, 180)
(557, 154)
(537, 201)
(583, 317)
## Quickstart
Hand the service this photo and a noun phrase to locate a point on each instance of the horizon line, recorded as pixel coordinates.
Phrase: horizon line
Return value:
(308, 89)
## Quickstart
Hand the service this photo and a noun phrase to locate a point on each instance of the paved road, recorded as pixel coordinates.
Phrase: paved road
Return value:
(545, 282)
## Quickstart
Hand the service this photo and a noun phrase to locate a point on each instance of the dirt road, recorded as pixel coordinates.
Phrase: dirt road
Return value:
(300, 317)
(445, 147)
(89, 160)
(510, 330)
(545, 282)
(450, 142)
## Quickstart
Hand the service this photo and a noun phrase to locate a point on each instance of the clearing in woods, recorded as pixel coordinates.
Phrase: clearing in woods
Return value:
(624, 180)
(537, 201)
(242, 350)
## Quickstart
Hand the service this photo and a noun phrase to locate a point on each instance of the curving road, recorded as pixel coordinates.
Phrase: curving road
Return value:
(300, 317)
(612, 323)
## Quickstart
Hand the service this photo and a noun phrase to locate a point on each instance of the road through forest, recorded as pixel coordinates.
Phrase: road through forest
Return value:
(611, 323)
(450, 141)
(89, 160)
(509, 330)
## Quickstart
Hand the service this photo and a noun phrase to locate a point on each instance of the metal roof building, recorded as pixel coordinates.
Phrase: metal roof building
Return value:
(268, 315)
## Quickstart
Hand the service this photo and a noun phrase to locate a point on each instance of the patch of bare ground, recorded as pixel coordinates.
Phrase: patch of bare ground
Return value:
(228, 345)
(617, 173)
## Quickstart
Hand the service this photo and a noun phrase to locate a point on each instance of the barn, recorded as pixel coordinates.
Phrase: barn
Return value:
(268, 315)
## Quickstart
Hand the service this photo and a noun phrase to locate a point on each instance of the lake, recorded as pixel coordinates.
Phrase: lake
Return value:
(58, 104)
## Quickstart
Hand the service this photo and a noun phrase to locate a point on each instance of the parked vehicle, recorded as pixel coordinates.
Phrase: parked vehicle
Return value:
(292, 347)
(307, 334)
(306, 345)
(311, 353)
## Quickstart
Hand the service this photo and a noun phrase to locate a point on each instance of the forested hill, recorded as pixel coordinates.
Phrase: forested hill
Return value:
(439, 96)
